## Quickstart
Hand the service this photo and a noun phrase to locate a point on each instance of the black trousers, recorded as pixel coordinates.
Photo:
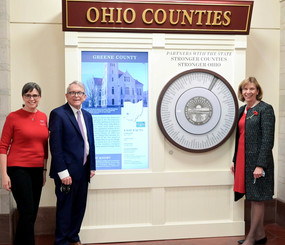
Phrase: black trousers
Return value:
(70, 209)
(26, 188)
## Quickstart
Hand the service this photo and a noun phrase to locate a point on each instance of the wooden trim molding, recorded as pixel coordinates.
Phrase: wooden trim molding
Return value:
(45, 224)
(6, 228)
(274, 213)
(270, 210)
(280, 213)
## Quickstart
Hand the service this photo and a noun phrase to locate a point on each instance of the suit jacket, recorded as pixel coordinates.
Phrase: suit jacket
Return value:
(259, 141)
(67, 144)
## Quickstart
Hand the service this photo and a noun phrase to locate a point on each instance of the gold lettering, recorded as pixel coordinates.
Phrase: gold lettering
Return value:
(88, 14)
(208, 23)
(163, 16)
(160, 16)
(144, 16)
(133, 15)
(189, 18)
(217, 17)
(172, 22)
(200, 13)
(227, 15)
(104, 15)
(119, 15)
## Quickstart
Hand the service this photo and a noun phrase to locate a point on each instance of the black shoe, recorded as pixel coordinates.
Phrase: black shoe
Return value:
(261, 241)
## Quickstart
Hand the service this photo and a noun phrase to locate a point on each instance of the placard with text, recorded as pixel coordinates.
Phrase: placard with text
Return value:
(116, 86)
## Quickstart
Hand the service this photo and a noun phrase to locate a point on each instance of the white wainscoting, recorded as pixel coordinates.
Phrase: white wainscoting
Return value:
(182, 194)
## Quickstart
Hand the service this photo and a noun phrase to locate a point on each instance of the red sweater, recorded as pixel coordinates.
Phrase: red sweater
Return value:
(25, 139)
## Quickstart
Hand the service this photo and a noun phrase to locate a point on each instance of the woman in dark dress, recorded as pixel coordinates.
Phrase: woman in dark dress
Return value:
(253, 165)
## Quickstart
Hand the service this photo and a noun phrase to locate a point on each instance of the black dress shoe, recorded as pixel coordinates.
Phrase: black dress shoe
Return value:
(260, 241)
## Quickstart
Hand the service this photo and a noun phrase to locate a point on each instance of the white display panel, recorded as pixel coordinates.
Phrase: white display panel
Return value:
(116, 86)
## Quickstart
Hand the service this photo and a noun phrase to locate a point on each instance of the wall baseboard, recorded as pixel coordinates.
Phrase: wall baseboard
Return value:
(270, 211)
(6, 228)
(45, 224)
(274, 213)
(280, 213)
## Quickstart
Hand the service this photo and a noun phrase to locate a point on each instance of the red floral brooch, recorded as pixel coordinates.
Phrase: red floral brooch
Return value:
(255, 113)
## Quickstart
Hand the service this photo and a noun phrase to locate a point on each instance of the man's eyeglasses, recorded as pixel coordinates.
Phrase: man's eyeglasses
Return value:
(32, 96)
(73, 93)
(65, 188)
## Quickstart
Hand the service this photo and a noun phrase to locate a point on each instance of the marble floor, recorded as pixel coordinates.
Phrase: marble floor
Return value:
(275, 235)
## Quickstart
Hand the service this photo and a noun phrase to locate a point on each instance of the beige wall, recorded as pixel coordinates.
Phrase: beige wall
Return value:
(37, 54)
(263, 59)
(5, 109)
(281, 153)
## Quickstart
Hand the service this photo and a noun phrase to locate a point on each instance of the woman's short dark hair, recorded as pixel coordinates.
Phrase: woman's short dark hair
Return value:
(29, 87)
(246, 82)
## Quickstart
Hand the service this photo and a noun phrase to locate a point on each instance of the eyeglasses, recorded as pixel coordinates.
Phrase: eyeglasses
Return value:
(73, 93)
(30, 96)
(65, 188)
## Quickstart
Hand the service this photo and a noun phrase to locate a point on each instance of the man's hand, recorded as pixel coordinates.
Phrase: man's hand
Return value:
(92, 173)
(67, 180)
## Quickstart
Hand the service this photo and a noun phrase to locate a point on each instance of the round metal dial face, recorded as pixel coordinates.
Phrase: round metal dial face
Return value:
(197, 110)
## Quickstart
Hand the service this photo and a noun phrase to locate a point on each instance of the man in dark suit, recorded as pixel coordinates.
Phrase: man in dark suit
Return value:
(73, 162)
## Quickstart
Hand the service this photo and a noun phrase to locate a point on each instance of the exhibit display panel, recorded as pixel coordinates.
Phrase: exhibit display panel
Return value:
(177, 194)
(116, 86)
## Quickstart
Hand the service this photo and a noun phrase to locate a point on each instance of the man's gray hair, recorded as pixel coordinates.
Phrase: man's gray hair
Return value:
(80, 84)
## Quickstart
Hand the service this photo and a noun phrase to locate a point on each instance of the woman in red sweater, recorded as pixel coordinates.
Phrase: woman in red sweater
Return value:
(23, 159)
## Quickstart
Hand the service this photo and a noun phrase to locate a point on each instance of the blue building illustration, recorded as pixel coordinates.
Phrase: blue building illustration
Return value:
(115, 88)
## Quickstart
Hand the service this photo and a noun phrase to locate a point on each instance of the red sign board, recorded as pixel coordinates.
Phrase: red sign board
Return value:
(217, 17)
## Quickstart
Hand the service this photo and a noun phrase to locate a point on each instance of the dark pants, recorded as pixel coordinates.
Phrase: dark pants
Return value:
(70, 209)
(26, 187)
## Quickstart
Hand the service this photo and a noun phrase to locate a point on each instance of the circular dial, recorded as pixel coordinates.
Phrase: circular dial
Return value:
(197, 110)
